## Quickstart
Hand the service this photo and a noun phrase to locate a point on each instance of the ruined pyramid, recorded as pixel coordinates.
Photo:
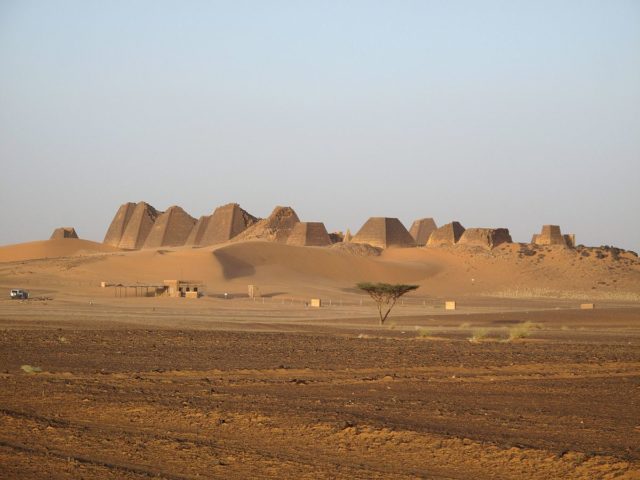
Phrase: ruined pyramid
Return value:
(225, 223)
(63, 232)
(384, 232)
(118, 224)
(485, 237)
(275, 228)
(448, 234)
(134, 223)
(309, 234)
(195, 236)
(421, 229)
(170, 229)
(550, 235)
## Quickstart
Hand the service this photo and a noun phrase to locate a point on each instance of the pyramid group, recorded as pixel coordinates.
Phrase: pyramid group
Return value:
(139, 225)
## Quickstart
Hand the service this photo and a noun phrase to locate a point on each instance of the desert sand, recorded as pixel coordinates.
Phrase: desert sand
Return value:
(517, 382)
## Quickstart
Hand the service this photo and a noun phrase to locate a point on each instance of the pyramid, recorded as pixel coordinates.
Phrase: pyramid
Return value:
(119, 224)
(170, 229)
(550, 235)
(384, 232)
(275, 228)
(138, 227)
(225, 223)
(448, 234)
(195, 236)
(63, 232)
(309, 234)
(485, 237)
(421, 230)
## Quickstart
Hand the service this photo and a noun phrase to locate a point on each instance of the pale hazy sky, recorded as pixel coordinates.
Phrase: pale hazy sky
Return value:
(494, 113)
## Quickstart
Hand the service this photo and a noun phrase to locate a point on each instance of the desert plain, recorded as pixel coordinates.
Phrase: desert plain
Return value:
(517, 382)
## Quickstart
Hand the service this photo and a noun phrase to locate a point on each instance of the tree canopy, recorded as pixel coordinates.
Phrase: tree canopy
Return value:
(385, 295)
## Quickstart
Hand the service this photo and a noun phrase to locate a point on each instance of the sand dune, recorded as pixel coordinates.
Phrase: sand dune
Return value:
(510, 270)
(52, 249)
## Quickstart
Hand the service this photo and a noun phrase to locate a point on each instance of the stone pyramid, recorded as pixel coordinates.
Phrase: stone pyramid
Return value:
(225, 223)
(384, 232)
(63, 232)
(309, 234)
(118, 224)
(448, 234)
(275, 228)
(485, 237)
(138, 227)
(195, 236)
(550, 235)
(170, 229)
(421, 229)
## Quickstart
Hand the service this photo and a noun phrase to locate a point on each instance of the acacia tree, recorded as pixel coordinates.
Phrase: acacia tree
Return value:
(385, 295)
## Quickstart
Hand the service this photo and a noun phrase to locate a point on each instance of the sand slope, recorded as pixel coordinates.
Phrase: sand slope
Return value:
(65, 247)
(510, 270)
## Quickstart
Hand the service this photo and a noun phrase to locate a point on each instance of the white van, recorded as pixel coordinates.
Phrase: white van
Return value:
(18, 293)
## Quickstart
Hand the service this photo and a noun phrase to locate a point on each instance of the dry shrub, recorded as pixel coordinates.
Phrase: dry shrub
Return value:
(522, 330)
(479, 334)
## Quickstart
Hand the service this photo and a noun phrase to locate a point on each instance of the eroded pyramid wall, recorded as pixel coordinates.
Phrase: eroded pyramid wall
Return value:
(550, 235)
(275, 228)
(448, 234)
(138, 227)
(309, 234)
(485, 237)
(170, 229)
(119, 224)
(197, 232)
(63, 232)
(384, 232)
(225, 223)
(421, 230)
